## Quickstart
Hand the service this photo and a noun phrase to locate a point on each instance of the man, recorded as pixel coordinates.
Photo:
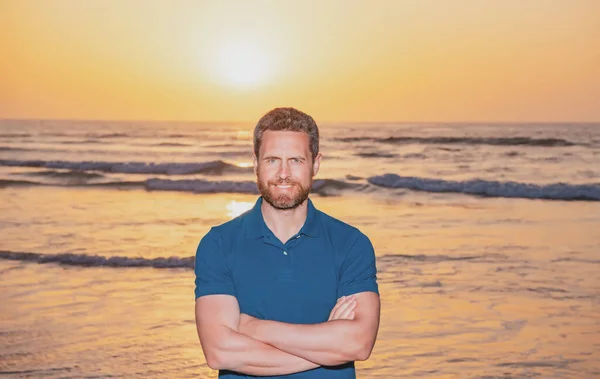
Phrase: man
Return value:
(284, 288)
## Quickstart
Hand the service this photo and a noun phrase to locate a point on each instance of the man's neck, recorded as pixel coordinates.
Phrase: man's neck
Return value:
(284, 223)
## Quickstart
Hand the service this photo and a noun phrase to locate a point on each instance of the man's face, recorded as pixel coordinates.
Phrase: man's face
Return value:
(284, 168)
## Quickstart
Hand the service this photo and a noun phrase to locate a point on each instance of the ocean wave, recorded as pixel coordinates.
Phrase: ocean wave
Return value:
(82, 142)
(16, 183)
(85, 135)
(320, 186)
(117, 184)
(557, 191)
(496, 141)
(10, 148)
(202, 186)
(324, 187)
(448, 149)
(229, 145)
(64, 174)
(353, 177)
(107, 135)
(577, 260)
(375, 154)
(171, 144)
(99, 261)
(426, 258)
(217, 167)
(14, 135)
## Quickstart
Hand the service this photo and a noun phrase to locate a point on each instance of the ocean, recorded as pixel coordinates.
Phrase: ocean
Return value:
(487, 239)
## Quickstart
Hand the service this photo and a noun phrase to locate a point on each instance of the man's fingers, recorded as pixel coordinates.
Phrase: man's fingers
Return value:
(347, 310)
(339, 302)
(342, 307)
(334, 312)
(335, 308)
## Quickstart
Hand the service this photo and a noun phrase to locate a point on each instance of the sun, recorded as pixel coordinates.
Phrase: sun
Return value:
(243, 64)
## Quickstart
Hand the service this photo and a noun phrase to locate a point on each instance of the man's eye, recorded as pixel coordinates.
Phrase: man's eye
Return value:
(271, 160)
(295, 160)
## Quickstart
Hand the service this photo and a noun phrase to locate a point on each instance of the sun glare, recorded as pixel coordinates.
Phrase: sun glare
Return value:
(243, 64)
(244, 164)
(236, 208)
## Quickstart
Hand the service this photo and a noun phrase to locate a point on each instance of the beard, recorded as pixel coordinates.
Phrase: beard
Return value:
(286, 200)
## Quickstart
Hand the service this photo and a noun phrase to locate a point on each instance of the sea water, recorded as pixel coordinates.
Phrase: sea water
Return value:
(487, 239)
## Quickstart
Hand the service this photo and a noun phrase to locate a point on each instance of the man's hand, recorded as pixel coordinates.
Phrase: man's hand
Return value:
(344, 309)
(217, 321)
(350, 338)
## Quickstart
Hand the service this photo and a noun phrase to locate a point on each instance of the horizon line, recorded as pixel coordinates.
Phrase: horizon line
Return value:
(321, 122)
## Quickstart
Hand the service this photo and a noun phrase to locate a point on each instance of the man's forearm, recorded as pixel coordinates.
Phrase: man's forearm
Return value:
(329, 344)
(246, 355)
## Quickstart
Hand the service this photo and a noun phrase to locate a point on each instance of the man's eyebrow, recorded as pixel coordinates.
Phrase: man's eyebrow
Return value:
(299, 157)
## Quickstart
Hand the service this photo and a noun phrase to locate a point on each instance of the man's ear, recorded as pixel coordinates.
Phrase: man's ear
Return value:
(317, 163)
(255, 164)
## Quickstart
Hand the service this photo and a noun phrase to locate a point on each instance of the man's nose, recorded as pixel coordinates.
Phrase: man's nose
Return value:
(284, 170)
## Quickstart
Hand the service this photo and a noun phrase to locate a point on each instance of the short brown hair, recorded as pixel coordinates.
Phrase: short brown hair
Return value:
(287, 119)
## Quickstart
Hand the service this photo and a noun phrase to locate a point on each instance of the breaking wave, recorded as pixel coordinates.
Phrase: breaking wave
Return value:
(202, 186)
(217, 167)
(557, 191)
(99, 261)
(320, 186)
(324, 187)
(64, 174)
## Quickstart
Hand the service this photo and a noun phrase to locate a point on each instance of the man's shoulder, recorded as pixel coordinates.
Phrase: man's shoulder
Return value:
(231, 228)
(336, 227)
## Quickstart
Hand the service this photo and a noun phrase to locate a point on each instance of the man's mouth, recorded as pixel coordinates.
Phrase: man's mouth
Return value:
(283, 186)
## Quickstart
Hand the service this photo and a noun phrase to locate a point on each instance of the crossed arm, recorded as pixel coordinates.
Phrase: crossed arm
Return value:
(242, 343)
(225, 348)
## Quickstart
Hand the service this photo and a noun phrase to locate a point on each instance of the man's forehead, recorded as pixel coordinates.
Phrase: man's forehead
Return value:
(285, 141)
(284, 134)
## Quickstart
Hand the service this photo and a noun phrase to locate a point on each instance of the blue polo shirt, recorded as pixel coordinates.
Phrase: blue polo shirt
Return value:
(297, 282)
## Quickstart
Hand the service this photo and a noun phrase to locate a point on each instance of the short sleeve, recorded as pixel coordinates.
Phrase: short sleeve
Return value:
(213, 275)
(359, 270)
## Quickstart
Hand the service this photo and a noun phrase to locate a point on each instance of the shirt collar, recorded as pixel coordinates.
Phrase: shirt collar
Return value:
(257, 228)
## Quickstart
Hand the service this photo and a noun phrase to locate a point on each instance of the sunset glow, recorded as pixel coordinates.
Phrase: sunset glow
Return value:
(454, 171)
(339, 61)
(241, 64)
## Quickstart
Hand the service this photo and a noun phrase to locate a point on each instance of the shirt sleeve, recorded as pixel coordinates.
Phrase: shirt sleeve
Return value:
(359, 270)
(213, 275)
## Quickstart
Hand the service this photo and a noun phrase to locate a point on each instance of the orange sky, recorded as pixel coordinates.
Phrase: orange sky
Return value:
(421, 60)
